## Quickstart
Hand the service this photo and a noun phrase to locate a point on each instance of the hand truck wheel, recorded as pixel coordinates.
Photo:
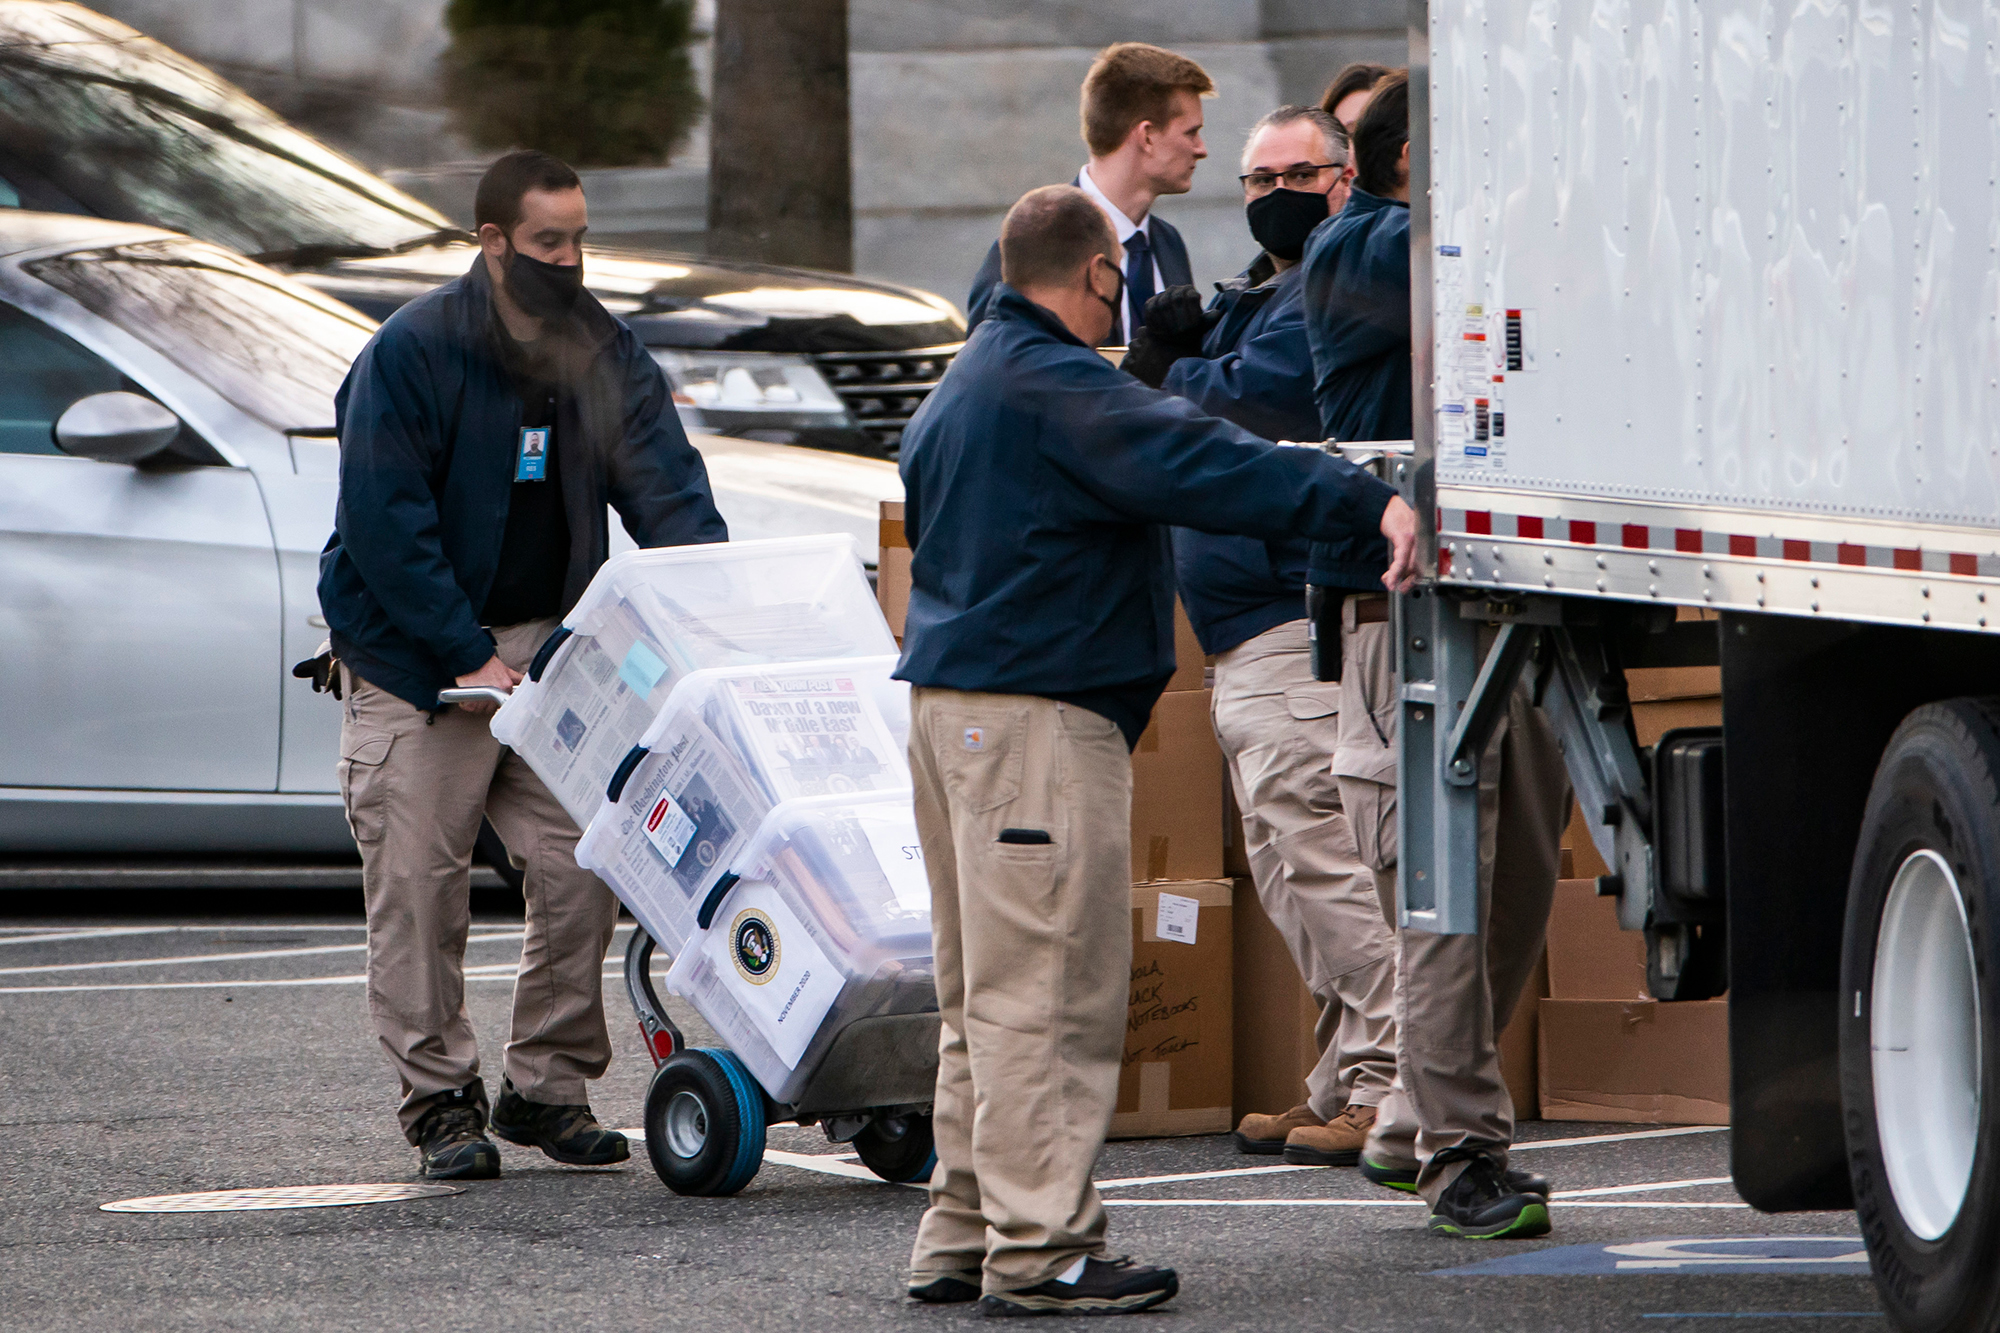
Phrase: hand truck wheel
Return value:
(899, 1148)
(704, 1123)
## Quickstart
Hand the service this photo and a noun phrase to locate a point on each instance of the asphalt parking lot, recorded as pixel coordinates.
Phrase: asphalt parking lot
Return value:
(172, 1045)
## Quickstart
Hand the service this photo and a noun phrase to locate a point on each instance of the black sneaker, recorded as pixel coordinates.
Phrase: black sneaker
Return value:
(951, 1289)
(1404, 1178)
(569, 1134)
(451, 1138)
(1482, 1204)
(1105, 1286)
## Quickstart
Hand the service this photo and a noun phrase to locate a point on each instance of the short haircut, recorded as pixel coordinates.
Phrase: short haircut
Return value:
(516, 173)
(1329, 130)
(1358, 77)
(1380, 134)
(1049, 234)
(1130, 82)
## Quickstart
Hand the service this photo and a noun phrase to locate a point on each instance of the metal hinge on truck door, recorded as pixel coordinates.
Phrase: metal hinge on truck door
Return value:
(1657, 824)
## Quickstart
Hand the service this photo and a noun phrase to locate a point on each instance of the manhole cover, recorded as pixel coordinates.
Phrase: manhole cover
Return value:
(285, 1196)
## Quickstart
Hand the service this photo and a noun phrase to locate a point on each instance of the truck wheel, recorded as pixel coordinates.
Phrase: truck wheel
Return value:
(704, 1123)
(1921, 1102)
(898, 1149)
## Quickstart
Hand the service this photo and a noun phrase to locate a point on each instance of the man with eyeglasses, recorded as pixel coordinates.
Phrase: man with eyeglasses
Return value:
(1245, 597)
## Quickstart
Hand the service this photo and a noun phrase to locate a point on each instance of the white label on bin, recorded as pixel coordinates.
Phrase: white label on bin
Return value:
(1179, 917)
(775, 970)
(669, 828)
(901, 857)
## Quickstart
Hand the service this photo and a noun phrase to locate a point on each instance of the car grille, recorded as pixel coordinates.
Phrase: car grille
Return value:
(882, 389)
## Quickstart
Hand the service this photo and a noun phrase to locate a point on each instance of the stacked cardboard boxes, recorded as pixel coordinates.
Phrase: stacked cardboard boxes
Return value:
(1608, 1051)
(1178, 1070)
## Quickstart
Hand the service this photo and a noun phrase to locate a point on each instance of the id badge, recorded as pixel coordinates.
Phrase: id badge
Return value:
(532, 463)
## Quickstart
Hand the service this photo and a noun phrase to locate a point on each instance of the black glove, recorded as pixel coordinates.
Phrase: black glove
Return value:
(1176, 316)
(1148, 358)
(323, 671)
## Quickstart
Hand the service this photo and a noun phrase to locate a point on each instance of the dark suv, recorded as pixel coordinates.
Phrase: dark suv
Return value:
(98, 119)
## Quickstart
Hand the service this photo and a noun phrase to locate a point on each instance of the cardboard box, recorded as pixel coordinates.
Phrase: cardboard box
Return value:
(1590, 958)
(892, 569)
(1191, 665)
(1274, 1014)
(1178, 1030)
(1635, 1061)
(1177, 784)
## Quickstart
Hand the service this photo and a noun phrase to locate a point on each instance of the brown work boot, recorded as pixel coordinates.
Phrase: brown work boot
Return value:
(1336, 1143)
(1264, 1135)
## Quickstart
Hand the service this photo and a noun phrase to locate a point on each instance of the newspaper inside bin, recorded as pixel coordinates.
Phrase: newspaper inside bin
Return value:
(650, 618)
(829, 922)
(730, 744)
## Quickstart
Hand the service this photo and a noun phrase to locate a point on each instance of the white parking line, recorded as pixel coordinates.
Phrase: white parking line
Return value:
(1642, 1189)
(1377, 1203)
(54, 936)
(1203, 1175)
(1618, 1138)
(188, 985)
(828, 1165)
(224, 957)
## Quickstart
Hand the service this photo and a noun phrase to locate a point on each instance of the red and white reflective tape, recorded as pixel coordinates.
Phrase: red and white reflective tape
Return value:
(1474, 523)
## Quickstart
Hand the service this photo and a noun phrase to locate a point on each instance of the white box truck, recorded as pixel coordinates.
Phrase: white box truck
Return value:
(1706, 306)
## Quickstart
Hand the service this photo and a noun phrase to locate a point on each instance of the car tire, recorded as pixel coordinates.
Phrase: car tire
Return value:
(899, 1149)
(1919, 1059)
(705, 1123)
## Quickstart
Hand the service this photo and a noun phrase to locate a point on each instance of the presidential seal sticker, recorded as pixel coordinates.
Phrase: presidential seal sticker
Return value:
(753, 946)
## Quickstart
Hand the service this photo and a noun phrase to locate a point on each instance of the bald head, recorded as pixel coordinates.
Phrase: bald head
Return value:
(1050, 234)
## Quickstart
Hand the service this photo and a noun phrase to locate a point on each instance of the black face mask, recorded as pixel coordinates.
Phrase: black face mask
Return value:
(1114, 304)
(1282, 219)
(543, 291)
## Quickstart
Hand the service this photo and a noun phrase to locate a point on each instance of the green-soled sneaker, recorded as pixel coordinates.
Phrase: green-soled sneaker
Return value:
(1482, 1204)
(1403, 1179)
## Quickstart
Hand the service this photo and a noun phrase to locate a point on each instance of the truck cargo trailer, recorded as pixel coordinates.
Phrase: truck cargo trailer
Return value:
(1706, 311)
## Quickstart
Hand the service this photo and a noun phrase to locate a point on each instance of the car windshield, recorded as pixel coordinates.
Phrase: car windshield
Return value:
(97, 118)
(266, 343)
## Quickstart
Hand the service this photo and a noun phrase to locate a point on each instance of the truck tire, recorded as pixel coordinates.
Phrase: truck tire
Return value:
(898, 1149)
(1920, 1097)
(704, 1123)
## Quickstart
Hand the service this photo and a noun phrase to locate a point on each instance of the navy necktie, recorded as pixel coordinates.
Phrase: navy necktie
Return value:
(1138, 277)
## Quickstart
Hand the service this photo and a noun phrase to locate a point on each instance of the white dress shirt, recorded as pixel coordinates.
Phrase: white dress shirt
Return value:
(1124, 226)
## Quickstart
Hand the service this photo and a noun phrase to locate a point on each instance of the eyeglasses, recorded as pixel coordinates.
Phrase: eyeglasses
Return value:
(1302, 177)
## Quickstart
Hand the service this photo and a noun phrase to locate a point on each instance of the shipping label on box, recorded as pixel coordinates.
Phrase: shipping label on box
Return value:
(1177, 1067)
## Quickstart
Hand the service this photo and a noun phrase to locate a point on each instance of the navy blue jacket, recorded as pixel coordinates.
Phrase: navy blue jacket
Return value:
(1037, 475)
(1357, 292)
(1255, 370)
(1169, 254)
(429, 422)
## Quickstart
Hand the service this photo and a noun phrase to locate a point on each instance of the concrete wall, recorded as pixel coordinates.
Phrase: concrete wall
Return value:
(960, 106)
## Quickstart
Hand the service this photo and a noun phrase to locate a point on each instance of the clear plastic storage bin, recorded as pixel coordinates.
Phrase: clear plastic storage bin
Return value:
(730, 744)
(652, 617)
(824, 919)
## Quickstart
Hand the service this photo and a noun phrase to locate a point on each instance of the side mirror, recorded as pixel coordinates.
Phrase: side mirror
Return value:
(116, 428)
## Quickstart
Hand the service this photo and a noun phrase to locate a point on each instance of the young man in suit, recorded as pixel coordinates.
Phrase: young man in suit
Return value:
(1142, 123)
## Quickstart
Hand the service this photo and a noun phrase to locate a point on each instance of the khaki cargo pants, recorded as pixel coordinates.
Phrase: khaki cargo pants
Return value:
(416, 787)
(1033, 940)
(1455, 993)
(1278, 728)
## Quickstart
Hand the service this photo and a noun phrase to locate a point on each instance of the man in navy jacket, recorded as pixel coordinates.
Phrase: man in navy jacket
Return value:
(482, 432)
(1276, 723)
(1142, 122)
(1039, 635)
(1445, 1128)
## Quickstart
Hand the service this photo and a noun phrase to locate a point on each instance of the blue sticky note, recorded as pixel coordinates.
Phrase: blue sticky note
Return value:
(642, 668)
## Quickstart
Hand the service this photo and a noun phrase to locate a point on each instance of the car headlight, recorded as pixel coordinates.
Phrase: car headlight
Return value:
(726, 383)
